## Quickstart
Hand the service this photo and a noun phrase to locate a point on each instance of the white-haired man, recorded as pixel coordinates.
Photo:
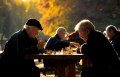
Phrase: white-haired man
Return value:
(99, 50)
(22, 43)
(57, 42)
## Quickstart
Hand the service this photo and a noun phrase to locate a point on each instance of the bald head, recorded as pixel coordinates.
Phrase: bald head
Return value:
(111, 27)
(111, 30)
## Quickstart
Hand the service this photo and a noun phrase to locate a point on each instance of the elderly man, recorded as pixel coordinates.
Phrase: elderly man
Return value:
(57, 42)
(22, 43)
(99, 51)
(114, 36)
(75, 37)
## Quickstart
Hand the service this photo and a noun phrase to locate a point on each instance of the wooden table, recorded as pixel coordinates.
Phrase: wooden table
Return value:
(62, 62)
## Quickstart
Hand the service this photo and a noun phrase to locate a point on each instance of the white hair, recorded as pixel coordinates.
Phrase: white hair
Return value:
(76, 27)
(25, 26)
(86, 24)
(60, 29)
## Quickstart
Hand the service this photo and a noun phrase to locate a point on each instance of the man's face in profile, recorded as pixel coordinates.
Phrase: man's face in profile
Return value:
(83, 33)
(110, 33)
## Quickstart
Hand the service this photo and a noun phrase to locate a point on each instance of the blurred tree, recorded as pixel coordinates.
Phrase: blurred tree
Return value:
(14, 13)
(54, 15)
(68, 13)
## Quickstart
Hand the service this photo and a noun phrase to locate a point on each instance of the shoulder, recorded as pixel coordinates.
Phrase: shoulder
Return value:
(73, 35)
(96, 34)
(97, 37)
(117, 37)
(56, 37)
(51, 39)
(17, 35)
(14, 37)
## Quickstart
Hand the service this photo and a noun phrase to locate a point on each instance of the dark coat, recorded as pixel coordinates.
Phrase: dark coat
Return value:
(55, 43)
(101, 54)
(115, 41)
(75, 37)
(16, 48)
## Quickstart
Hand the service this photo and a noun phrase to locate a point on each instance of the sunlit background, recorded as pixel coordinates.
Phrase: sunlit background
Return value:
(55, 13)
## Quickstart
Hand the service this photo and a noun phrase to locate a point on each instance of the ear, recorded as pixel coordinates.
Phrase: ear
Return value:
(87, 31)
(111, 31)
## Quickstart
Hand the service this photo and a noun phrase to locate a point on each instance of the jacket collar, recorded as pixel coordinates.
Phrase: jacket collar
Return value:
(56, 35)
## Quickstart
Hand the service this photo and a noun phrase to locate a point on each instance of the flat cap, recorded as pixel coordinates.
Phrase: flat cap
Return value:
(34, 22)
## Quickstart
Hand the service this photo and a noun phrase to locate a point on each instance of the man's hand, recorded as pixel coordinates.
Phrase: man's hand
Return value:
(41, 43)
(77, 45)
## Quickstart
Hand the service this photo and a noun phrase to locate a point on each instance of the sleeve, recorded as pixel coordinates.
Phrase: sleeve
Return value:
(49, 44)
(22, 49)
(56, 44)
(61, 44)
(84, 48)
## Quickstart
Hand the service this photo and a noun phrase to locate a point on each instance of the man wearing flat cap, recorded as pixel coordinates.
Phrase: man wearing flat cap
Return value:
(22, 43)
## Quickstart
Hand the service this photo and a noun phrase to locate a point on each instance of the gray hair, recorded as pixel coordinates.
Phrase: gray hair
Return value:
(61, 29)
(26, 26)
(76, 27)
(86, 24)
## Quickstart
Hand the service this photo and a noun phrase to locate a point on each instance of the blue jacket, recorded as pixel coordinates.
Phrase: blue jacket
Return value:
(55, 43)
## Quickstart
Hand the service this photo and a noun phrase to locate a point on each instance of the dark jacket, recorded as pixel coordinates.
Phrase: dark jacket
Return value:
(115, 41)
(55, 43)
(75, 37)
(16, 48)
(101, 53)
